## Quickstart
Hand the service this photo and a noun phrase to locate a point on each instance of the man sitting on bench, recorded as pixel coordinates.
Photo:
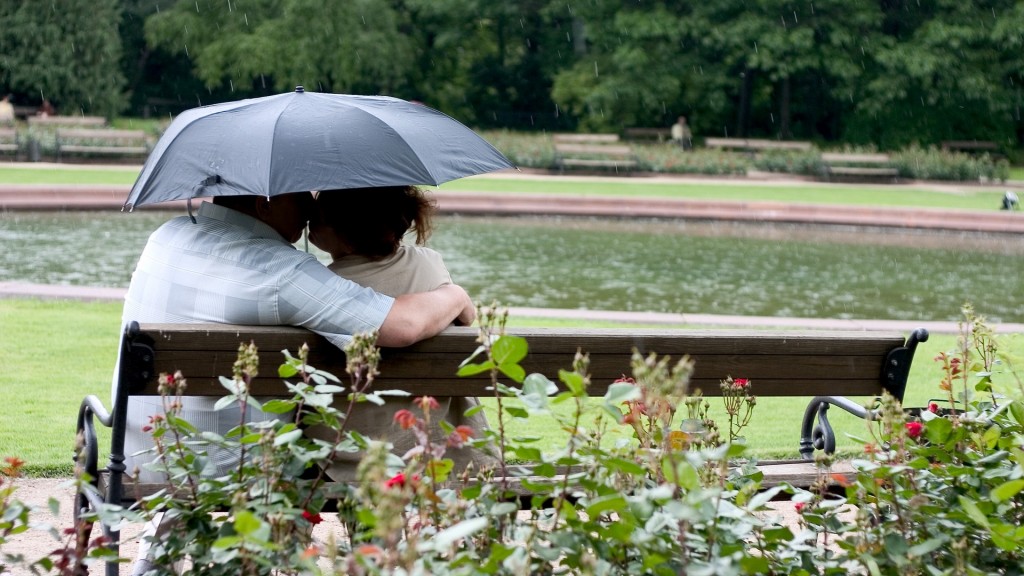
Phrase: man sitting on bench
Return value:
(235, 263)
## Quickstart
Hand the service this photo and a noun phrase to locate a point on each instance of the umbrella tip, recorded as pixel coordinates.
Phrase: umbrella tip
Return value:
(300, 89)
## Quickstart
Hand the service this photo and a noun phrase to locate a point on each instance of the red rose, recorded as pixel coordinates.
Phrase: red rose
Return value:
(312, 518)
(933, 408)
(405, 418)
(396, 481)
(741, 382)
(799, 507)
(914, 429)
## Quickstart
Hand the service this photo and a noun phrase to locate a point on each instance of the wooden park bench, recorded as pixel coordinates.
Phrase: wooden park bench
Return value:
(755, 145)
(101, 142)
(657, 134)
(594, 151)
(67, 121)
(843, 165)
(829, 366)
(9, 144)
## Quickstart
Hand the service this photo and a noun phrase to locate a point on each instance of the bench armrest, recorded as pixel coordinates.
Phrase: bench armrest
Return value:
(87, 445)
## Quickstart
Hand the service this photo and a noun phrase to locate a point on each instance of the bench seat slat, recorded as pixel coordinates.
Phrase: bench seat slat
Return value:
(780, 363)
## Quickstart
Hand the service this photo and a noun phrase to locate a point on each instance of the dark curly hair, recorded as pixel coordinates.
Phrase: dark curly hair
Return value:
(373, 221)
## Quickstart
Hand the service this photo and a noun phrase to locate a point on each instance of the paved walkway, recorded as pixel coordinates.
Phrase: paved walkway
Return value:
(97, 293)
(111, 197)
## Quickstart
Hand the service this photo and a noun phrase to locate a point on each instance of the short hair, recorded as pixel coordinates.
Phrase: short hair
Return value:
(373, 221)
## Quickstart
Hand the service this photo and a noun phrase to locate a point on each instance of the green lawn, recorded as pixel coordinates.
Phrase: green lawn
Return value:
(967, 198)
(812, 193)
(56, 352)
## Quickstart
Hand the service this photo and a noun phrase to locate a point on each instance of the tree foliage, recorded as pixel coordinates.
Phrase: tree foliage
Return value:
(887, 73)
(66, 52)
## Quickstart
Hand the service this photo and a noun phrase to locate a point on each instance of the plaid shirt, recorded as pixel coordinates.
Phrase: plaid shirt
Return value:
(232, 268)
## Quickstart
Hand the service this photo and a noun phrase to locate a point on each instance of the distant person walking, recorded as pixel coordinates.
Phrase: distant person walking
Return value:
(46, 109)
(6, 111)
(681, 134)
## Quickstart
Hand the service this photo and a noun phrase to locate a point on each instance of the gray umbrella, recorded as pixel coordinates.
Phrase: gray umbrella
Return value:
(301, 141)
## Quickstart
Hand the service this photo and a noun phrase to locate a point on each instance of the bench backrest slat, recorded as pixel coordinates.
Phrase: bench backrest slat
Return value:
(593, 149)
(780, 363)
(101, 134)
(583, 138)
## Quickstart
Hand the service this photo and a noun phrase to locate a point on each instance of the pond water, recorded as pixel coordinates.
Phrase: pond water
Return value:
(649, 265)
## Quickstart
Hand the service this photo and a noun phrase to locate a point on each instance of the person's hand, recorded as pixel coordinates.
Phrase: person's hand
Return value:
(414, 317)
(468, 314)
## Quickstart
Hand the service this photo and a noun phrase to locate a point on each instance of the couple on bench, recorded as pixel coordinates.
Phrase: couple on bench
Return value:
(236, 263)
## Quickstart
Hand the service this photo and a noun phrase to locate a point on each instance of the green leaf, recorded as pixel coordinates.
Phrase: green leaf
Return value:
(225, 402)
(515, 372)
(540, 385)
(625, 465)
(287, 437)
(938, 430)
(991, 437)
(474, 369)
(445, 538)
(278, 406)
(926, 547)
(503, 509)
(973, 511)
(573, 382)
(509, 349)
(246, 523)
(530, 454)
(755, 565)
(1007, 490)
(620, 392)
(517, 412)
(1017, 411)
(610, 503)
(684, 474)
(226, 542)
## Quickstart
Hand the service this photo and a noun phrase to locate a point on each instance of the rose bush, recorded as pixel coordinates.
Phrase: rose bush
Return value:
(936, 491)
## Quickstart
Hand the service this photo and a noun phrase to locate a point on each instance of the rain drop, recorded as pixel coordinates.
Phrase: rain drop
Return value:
(246, 16)
(186, 50)
(596, 73)
(197, 6)
(795, 20)
(755, 48)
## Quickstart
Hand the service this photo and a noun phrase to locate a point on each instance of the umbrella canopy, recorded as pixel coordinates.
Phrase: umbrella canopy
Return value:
(301, 141)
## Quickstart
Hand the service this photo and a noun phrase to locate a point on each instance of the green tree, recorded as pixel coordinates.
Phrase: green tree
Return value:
(356, 46)
(630, 66)
(490, 63)
(946, 70)
(67, 52)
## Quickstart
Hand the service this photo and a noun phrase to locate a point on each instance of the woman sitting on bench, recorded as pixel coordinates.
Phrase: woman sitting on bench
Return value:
(362, 230)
